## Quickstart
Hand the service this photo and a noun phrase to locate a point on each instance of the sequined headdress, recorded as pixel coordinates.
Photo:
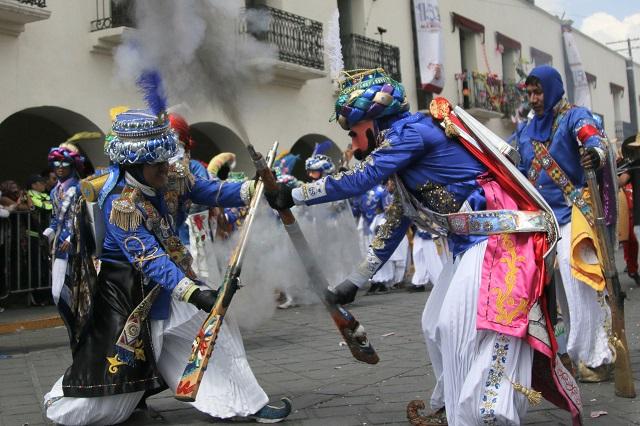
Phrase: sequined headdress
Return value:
(143, 136)
(368, 94)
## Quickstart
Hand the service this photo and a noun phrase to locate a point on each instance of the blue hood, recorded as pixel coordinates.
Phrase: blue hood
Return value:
(540, 126)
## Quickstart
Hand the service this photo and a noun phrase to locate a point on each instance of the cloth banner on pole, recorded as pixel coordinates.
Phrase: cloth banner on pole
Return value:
(581, 93)
(429, 43)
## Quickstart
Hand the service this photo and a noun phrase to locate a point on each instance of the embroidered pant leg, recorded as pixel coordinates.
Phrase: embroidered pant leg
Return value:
(588, 312)
(430, 315)
(228, 387)
(58, 273)
(103, 410)
(476, 385)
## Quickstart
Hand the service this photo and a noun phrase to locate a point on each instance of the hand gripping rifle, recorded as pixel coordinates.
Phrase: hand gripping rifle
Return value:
(203, 344)
(622, 375)
(351, 330)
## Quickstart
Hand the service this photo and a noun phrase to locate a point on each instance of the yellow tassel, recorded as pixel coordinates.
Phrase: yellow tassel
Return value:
(533, 396)
(124, 213)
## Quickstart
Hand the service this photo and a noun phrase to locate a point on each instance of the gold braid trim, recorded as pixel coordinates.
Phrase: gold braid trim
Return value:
(124, 213)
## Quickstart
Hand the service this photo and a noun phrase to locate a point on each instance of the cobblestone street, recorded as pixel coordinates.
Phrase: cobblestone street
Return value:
(297, 354)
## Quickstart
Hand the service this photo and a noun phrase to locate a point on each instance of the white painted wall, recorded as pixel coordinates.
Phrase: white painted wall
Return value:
(51, 63)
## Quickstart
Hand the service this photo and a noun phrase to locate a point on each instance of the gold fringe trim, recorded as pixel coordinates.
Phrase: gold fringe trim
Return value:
(180, 177)
(124, 213)
(534, 397)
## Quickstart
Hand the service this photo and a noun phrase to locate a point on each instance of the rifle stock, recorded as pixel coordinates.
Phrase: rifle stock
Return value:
(353, 333)
(205, 340)
(623, 376)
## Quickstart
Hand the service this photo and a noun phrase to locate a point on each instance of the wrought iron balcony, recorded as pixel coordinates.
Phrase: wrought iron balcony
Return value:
(487, 96)
(38, 3)
(362, 52)
(298, 39)
(113, 14)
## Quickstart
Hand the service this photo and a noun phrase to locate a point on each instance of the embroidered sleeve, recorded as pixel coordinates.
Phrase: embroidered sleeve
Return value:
(144, 252)
(393, 154)
(587, 132)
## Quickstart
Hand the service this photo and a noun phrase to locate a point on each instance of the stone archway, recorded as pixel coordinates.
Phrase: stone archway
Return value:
(304, 148)
(213, 138)
(27, 135)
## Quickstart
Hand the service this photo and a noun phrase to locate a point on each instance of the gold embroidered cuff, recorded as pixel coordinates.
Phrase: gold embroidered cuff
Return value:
(184, 289)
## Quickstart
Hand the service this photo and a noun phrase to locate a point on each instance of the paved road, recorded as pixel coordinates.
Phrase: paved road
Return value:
(297, 354)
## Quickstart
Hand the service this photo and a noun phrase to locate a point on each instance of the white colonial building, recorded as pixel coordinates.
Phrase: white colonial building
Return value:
(57, 73)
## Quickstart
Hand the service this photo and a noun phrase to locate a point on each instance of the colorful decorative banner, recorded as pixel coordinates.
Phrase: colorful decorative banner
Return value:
(581, 93)
(429, 44)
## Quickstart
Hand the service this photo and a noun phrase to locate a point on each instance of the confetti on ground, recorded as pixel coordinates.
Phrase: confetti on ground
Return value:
(596, 414)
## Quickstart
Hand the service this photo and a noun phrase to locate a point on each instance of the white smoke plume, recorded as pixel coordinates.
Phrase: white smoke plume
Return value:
(272, 265)
(201, 51)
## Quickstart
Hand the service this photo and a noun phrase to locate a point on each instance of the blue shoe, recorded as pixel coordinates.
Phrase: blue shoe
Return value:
(271, 414)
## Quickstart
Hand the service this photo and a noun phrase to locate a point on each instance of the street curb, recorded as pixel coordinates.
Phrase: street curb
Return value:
(35, 324)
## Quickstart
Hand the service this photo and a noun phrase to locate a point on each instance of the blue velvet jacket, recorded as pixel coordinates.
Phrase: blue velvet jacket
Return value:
(162, 270)
(437, 170)
(564, 148)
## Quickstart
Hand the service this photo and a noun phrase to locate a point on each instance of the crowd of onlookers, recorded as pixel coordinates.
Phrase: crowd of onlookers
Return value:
(33, 202)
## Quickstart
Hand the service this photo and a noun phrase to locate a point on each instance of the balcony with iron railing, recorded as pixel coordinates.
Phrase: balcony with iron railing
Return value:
(486, 96)
(112, 19)
(299, 43)
(112, 14)
(15, 14)
(360, 52)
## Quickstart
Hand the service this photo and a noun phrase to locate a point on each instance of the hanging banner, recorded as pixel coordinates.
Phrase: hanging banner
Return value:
(429, 44)
(581, 93)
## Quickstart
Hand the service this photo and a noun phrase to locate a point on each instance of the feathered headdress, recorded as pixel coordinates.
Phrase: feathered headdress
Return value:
(143, 136)
(333, 47)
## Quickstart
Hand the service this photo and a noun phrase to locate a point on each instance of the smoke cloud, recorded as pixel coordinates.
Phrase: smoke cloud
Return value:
(271, 264)
(201, 50)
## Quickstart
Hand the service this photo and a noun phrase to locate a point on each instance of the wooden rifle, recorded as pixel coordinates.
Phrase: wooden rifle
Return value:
(203, 344)
(623, 376)
(353, 333)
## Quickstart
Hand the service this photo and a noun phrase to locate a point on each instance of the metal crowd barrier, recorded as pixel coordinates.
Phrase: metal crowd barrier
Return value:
(24, 253)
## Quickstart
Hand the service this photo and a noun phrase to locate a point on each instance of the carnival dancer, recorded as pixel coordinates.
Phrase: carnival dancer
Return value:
(476, 323)
(66, 164)
(429, 255)
(365, 207)
(391, 274)
(148, 305)
(555, 146)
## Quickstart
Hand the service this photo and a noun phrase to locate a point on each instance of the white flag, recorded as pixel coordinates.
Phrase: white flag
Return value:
(428, 29)
(581, 93)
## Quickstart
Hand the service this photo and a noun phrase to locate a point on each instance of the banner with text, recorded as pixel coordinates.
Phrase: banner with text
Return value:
(429, 44)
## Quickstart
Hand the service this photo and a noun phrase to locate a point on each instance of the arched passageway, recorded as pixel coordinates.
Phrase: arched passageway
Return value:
(212, 139)
(27, 135)
(304, 148)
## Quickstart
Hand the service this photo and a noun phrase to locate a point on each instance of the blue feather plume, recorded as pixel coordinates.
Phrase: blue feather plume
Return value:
(150, 84)
(322, 147)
